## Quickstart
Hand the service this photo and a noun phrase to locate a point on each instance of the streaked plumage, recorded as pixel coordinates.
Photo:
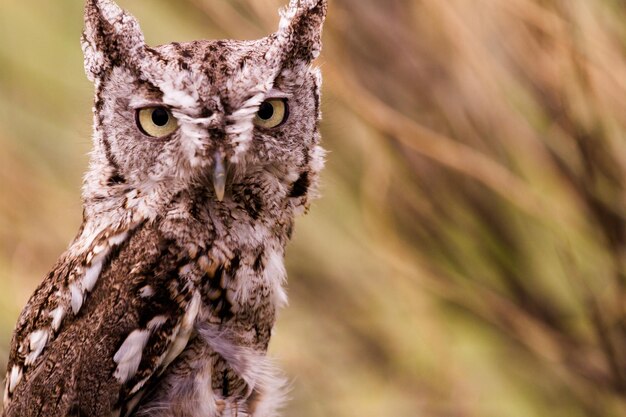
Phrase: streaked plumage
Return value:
(164, 303)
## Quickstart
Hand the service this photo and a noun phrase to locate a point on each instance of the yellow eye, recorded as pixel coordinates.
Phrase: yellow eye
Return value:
(272, 113)
(157, 122)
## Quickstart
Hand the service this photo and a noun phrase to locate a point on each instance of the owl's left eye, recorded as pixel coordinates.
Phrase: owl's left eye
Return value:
(272, 113)
(156, 122)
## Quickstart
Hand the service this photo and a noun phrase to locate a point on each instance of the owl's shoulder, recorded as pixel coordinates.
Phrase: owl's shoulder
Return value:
(128, 326)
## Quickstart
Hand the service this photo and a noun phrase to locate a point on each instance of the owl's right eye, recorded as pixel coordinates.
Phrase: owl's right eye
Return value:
(272, 113)
(156, 122)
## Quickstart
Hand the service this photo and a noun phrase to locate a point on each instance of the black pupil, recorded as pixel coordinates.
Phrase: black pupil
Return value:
(160, 117)
(266, 111)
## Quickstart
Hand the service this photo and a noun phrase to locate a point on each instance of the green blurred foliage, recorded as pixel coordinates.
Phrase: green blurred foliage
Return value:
(467, 257)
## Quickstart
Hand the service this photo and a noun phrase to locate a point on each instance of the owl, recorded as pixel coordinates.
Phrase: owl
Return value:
(203, 154)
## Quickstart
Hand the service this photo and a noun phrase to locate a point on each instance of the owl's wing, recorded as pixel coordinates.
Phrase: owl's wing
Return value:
(136, 320)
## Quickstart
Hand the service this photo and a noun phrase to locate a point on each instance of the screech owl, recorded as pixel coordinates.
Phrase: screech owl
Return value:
(203, 154)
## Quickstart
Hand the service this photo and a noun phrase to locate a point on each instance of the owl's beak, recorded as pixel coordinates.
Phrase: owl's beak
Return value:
(219, 175)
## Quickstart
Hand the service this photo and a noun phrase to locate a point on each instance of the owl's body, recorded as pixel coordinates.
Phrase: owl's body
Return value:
(164, 303)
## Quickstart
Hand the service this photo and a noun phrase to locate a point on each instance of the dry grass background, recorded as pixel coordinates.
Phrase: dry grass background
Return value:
(468, 257)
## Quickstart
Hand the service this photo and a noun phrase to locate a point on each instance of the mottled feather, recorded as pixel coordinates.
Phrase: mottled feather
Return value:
(164, 303)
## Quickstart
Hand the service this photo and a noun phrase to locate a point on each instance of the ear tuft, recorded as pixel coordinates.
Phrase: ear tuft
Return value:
(112, 37)
(302, 22)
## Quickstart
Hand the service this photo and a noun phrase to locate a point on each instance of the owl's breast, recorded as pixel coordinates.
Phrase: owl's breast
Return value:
(240, 300)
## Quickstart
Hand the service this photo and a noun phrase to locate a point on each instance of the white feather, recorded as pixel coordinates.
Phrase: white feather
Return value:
(92, 274)
(15, 378)
(139, 385)
(6, 397)
(57, 317)
(98, 249)
(77, 297)
(118, 239)
(184, 331)
(146, 292)
(37, 340)
(156, 322)
(205, 399)
(128, 357)
(255, 368)
(275, 274)
(174, 94)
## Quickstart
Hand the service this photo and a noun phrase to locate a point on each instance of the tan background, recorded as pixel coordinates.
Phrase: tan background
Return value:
(467, 258)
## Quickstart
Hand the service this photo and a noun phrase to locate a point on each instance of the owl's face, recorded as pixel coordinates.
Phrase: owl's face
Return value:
(208, 114)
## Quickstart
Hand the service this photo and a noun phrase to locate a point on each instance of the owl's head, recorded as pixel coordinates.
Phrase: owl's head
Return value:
(234, 117)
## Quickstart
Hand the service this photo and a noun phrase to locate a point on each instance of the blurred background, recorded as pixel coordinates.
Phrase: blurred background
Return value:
(468, 255)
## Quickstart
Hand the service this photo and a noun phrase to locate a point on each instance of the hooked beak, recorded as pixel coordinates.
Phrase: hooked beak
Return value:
(219, 175)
